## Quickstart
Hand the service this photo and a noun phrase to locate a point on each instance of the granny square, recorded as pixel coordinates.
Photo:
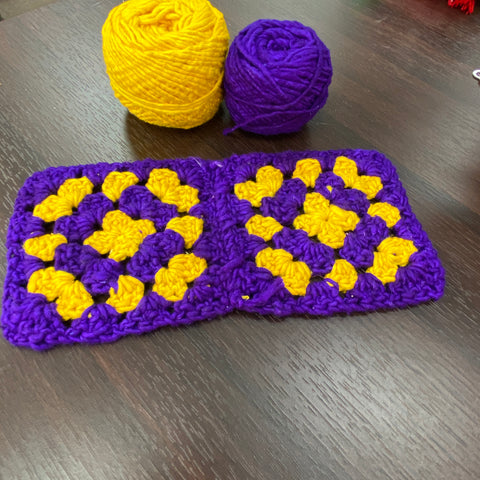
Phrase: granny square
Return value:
(96, 252)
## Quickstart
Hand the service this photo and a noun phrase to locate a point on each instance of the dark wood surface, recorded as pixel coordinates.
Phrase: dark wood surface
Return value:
(379, 396)
(12, 8)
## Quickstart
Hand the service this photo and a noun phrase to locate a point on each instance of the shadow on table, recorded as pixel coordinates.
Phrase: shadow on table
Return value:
(208, 141)
(151, 141)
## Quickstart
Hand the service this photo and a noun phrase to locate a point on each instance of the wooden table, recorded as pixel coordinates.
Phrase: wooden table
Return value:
(378, 396)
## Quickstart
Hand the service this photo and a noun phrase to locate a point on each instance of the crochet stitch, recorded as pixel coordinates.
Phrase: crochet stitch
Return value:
(96, 252)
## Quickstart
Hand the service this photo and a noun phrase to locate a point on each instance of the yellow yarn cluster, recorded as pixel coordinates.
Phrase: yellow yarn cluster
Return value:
(327, 222)
(268, 181)
(165, 59)
(69, 196)
(121, 235)
(71, 297)
(295, 275)
(346, 169)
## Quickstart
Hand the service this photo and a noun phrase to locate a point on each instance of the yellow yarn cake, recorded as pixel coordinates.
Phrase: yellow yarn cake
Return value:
(165, 59)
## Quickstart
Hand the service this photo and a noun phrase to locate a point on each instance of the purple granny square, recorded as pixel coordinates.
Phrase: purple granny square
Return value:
(97, 252)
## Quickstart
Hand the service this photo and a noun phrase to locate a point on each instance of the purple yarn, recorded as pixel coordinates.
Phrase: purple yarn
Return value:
(277, 75)
(231, 280)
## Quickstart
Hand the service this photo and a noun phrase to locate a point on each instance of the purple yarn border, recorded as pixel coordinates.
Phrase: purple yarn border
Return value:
(29, 320)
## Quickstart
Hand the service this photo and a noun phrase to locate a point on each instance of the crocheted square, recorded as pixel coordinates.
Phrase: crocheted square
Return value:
(96, 252)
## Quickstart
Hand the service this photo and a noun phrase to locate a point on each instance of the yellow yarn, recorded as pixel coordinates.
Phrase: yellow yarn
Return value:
(172, 282)
(71, 296)
(280, 263)
(165, 59)
(116, 182)
(387, 212)
(44, 246)
(325, 221)
(190, 228)
(264, 227)
(165, 185)
(347, 170)
(308, 171)
(121, 235)
(268, 181)
(69, 196)
(344, 274)
(128, 295)
(392, 253)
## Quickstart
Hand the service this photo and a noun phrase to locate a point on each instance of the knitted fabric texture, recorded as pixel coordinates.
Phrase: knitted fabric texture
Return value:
(96, 252)
(277, 75)
(165, 59)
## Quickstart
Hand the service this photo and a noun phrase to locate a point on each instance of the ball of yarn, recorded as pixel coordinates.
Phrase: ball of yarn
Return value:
(165, 59)
(277, 75)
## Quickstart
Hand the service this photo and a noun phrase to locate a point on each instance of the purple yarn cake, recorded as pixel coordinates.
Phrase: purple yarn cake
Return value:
(96, 252)
(277, 75)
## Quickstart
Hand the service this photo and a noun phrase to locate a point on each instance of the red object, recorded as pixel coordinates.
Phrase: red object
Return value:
(465, 5)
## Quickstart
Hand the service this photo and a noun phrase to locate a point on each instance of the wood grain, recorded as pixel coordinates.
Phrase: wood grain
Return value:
(11, 8)
(380, 396)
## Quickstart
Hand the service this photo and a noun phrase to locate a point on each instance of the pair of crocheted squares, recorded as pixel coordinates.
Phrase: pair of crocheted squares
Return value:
(96, 252)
